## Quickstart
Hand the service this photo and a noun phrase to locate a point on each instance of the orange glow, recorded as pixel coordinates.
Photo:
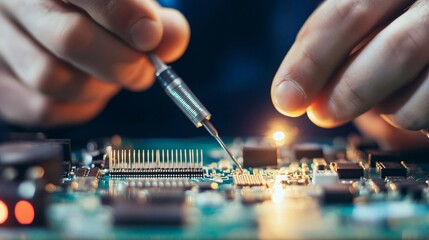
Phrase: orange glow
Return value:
(24, 212)
(4, 213)
(279, 136)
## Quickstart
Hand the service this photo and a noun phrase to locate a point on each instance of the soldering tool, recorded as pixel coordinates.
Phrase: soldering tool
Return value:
(183, 97)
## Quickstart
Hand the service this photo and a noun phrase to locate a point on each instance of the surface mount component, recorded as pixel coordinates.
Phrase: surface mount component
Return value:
(348, 170)
(156, 163)
(319, 164)
(257, 157)
(307, 151)
(324, 177)
(337, 194)
(391, 169)
(21, 160)
(248, 180)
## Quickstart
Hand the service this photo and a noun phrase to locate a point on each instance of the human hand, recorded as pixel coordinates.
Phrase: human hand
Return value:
(352, 56)
(61, 63)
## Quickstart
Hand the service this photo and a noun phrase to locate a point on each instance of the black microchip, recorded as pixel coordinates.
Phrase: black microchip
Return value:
(256, 157)
(349, 170)
(81, 172)
(307, 151)
(391, 169)
(383, 156)
(337, 194)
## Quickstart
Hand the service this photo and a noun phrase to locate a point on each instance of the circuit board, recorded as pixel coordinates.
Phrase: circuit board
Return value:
(188, 189)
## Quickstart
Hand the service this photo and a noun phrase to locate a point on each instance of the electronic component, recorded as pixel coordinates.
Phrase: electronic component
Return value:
(248, 180)
(94, 172)
(22, 204)
(129, 212)
(319, 164)
(156, 163)
(391, 169)
(337, 194)
(254, 195)
(377, 185)
(82, 172)
(307, 151)
(382, 156)
(257, 157)
(19, 160)
(325, 177)
(144, 183)
(348, 170)
(27, 170)
(207, 186)
(84, 184)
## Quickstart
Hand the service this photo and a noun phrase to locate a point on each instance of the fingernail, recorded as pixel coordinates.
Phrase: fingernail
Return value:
(289, 99)
(145, 34)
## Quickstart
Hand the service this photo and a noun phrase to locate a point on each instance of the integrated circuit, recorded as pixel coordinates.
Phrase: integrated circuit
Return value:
(257, 157)
(348, 170)
(386, 169)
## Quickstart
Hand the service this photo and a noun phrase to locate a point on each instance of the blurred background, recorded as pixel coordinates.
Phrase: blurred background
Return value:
(237, 46)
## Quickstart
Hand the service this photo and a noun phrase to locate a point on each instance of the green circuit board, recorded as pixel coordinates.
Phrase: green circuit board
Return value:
(315, 191)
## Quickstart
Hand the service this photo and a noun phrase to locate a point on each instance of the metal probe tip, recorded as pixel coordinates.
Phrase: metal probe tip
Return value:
(212, 130)
(177, 90)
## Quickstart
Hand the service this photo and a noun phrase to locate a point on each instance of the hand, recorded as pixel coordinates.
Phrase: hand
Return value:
(352, 56)
(61, 63)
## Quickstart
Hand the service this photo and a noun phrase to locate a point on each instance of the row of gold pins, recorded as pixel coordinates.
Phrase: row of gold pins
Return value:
(137, 159)
(244, 179)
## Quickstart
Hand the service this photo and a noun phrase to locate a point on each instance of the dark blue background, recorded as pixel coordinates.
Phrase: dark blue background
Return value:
(235, 49)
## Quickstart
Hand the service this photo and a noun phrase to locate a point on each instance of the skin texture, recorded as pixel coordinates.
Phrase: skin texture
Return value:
(61, 62)
(365, 60)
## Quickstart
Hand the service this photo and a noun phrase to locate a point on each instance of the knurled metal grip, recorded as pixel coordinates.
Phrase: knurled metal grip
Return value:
(179, 92)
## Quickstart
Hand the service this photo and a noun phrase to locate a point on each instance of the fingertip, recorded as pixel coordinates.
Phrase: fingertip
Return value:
(176, 34)
(323, 115)
(146, 33)
(288, 98)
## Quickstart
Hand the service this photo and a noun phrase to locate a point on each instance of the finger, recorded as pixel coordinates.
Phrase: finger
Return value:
(408, 108)
(48, 74)
(37, 110)
(135, 21)
(176, 35)
(392, 59)
(75, 38)
(323, 43)
(387, 136)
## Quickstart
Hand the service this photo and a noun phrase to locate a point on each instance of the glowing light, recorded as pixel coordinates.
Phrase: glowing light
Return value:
(4, 213)
(280, 132)
(214, 186)
(24, 212)
(279, 136)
